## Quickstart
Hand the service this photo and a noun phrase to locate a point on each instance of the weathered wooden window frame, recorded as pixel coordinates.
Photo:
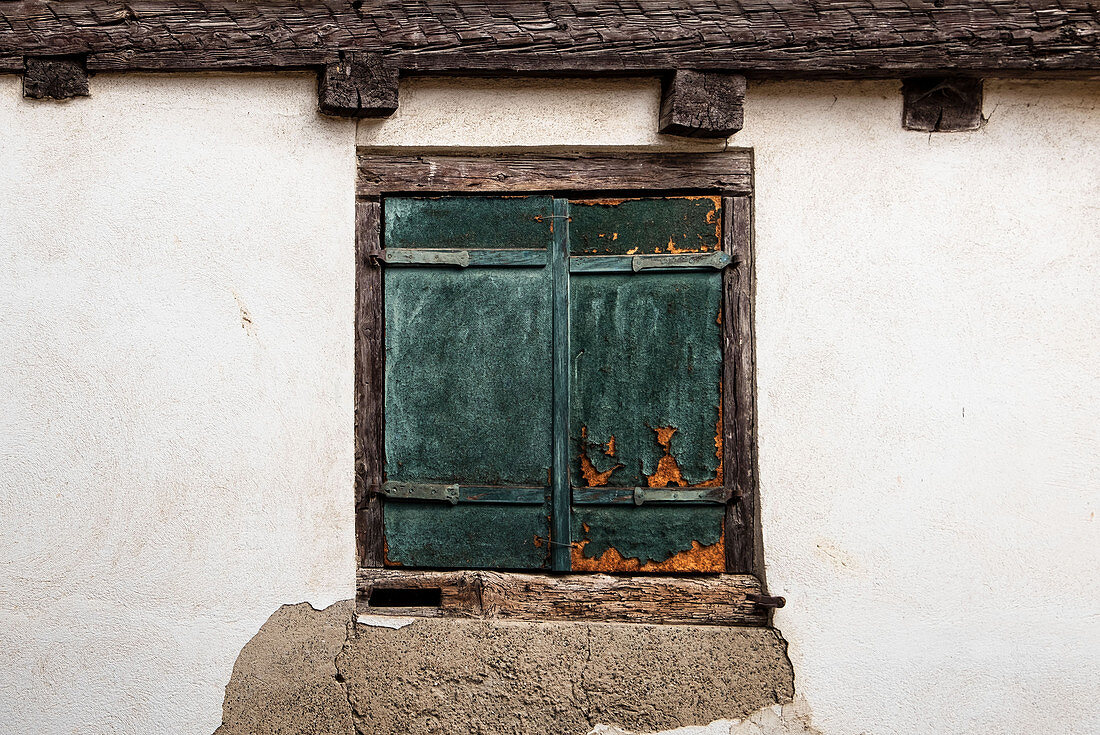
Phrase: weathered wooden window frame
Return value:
(735, 597)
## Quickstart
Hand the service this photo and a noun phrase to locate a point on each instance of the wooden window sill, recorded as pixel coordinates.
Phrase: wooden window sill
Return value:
(721, 599)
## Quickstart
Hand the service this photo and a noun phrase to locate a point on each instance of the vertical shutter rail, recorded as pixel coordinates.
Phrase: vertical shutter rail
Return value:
(560, 539)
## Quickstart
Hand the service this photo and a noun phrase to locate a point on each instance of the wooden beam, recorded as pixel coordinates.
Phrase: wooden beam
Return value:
(56, 78)
(743, 552)
(942, 105)
(864, 38)
(358, 85)
(369, 367)
(721, 599)
(702, 104)
(728, 172)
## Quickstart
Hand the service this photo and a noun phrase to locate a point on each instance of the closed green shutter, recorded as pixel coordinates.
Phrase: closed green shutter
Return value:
(514, 347)
(468, 383)
(645, 391)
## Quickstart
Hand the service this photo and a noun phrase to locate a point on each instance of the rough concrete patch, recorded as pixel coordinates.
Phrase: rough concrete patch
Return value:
(285, 681)
(497, 678)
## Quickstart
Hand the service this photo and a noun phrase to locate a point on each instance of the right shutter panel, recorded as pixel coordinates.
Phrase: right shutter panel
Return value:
(646, 360)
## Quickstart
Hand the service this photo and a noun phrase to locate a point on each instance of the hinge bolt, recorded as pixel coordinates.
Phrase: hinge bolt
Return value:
(766, 600)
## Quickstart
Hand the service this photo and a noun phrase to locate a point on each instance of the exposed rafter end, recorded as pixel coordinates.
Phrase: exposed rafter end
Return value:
(942, 104)
(55, 77)
(702, 104)
(358, 85)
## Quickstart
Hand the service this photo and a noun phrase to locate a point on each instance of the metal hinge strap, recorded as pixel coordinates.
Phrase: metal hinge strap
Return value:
(420, 491)
(678, 495)
(716, 260)
(465, 258)
(642, 495)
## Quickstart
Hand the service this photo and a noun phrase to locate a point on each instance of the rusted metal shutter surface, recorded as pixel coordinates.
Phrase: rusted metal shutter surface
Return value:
(470, 395)
(645, 391)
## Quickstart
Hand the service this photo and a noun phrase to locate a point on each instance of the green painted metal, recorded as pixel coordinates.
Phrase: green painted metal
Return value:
(469, 389)
(560, 476)
(644, 226)
(466, 258)
(467, 535)
(716, 260)
(647, 533)
(466, 222)
(504, 383)
(647, 360)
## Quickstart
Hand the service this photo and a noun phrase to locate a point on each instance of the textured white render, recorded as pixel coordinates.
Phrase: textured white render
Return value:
(176, 293)
(540, 113)
(928, 350)
(176, 420)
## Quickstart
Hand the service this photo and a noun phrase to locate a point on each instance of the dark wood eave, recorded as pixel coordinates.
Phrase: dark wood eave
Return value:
(759, 38)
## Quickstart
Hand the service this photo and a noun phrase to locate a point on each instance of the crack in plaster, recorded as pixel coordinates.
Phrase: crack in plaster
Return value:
(581, 680)
(349, 633)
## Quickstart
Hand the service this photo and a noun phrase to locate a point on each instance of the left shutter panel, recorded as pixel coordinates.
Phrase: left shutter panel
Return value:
(468, 382)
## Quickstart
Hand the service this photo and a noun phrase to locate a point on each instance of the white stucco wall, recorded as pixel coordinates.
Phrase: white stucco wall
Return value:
(928, 336)
(170, 471)
(928, 370)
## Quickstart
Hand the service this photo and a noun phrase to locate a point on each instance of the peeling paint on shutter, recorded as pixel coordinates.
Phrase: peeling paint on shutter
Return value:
(645, 391)
(645, 226)
(471, 377)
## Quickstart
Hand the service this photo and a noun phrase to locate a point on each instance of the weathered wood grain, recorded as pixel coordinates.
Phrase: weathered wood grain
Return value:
(942, 105)
(702, 104)
(739, 396)
(712, 600)
(369, 369)
(358, 85)
(55, 78)
(884, 38)
(728, 172)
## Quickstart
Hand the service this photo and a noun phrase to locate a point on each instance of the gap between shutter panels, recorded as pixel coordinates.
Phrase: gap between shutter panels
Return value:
(627, 538)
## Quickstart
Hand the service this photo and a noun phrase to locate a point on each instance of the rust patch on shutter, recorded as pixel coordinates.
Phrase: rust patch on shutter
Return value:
(592, 477)
(668, 472)
(699, 558)
(386, 560)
